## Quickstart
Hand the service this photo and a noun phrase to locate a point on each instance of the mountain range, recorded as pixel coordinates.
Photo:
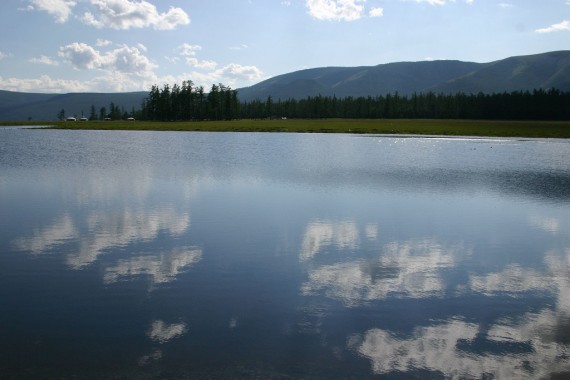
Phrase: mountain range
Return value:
(540, 71)
(520, 73)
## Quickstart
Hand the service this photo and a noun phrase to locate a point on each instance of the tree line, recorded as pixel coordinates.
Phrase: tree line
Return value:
(190, 102)
(114, 112)
(518, 105)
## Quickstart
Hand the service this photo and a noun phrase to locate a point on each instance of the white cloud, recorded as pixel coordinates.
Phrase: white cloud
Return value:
(102, 43)
(44, 84)
(339, 10)
(240, 72)
(130, 60)
(563, 26)
(230, 75)
(206, 65)
(127, 14)
(376, 12)
(61, 10)
(44, 60)
(188, 50)
(506, 5)
(83, 56)
(124, 59)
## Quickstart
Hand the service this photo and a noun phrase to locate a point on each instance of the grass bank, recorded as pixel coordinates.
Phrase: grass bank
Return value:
(493, 128)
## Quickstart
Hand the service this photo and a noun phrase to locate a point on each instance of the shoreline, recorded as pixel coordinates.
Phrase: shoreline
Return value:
(396, 127)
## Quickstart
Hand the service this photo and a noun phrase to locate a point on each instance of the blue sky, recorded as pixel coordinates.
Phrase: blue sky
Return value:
(59, 46)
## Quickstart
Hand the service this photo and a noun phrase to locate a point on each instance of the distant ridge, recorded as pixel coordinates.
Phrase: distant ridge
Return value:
(16, 106)
(539, 71)
(521, 73)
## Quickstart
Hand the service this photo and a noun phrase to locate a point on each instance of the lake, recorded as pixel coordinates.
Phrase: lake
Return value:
(247, 255)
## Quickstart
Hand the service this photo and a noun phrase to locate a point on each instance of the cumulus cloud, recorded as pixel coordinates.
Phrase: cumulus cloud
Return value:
(339, 10)
(61, 10)
(125, 59)
(127, 14)
(563, 26)
(82, 56)
(240, 72)
(114, 14)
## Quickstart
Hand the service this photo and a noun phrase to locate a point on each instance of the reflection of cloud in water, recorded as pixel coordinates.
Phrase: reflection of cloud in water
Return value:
(410, 269)
(550, 325)
(162, 333)
(551, 225)
(58, 233)
(343, 235)
(152, 357)
(515, 279)
(162, 268)
(534, 345)
(108, 230)
(445, 348)
(372, 231)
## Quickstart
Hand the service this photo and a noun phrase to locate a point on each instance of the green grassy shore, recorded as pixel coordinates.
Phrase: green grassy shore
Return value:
(492, 128)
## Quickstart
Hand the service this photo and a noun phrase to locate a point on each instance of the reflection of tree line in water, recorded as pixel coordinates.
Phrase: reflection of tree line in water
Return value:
(187, 102)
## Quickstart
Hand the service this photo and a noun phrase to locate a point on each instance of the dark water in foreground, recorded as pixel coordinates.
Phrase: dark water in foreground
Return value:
(167, 255)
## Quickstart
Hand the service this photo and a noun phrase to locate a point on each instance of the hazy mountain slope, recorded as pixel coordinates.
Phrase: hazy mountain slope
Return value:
(404, 77)
(21, 106)
(544, 71)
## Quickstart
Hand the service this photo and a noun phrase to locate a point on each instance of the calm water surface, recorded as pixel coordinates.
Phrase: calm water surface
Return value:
(216, 255)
